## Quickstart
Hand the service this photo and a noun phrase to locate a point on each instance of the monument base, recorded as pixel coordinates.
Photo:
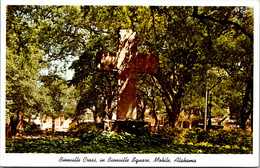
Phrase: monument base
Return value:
(132, 127)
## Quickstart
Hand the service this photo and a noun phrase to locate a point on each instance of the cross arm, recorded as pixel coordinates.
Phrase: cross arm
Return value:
(147, 63)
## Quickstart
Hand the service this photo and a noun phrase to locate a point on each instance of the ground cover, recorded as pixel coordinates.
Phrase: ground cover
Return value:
(173, 141)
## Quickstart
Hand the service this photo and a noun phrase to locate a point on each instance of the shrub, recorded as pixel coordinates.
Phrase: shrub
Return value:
(173, 134)
(80, 129)
(230, 137)
(220, 137)
(31, 128)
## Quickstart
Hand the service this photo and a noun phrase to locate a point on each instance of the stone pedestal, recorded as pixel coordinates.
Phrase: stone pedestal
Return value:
(132, 127)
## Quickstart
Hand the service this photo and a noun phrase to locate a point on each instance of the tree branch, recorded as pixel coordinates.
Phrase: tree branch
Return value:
(223, 22)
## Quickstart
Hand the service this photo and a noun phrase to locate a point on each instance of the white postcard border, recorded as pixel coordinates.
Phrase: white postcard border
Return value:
(202, 160)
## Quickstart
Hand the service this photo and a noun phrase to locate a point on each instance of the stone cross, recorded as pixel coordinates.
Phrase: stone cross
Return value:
(127, 63)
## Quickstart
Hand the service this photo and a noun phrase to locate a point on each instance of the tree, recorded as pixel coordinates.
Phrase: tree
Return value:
(61, 99)
(148, 97)
(181, 53)
(23, 59)
(36, 35)
(231, 30)
(98, 95)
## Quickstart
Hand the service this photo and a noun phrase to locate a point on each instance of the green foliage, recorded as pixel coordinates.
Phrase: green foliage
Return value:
(81, 129)
(35, 36)
(187, 142)
(222, 137)
(188, 40)
(24, 60)
(31, 128)
(60, 97)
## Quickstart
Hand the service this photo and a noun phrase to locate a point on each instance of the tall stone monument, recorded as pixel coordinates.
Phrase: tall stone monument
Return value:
(127, 63)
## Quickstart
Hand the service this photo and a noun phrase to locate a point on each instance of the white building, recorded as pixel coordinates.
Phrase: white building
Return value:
(61, 124)
(45, 123)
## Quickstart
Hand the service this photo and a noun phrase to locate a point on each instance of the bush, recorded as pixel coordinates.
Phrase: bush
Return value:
(80, 129)
(229, 137)
(31, 128)
(172, 134)
(220, 137)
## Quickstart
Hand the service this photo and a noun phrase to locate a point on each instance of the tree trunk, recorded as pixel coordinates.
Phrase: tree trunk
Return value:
(252, 128)
(95, 117)
(9, 127)
(173, 100)
(141, 110)
(156, 125)
(109, 98)
(108, 105)
(246, 99)
(8, 130)
(19, 121)
(175, 113)
(155, 118)
(53, 124)
(169, 112)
